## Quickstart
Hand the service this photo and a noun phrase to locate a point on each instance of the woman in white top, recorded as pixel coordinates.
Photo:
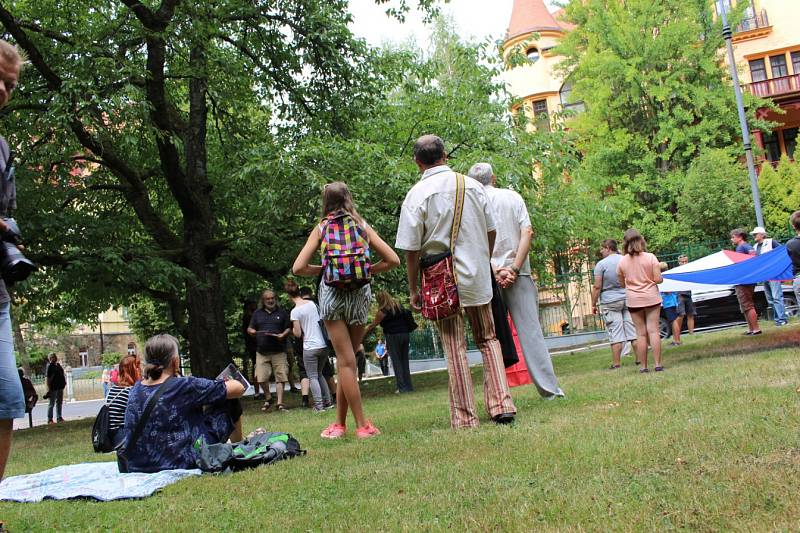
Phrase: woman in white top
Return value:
(305, 325)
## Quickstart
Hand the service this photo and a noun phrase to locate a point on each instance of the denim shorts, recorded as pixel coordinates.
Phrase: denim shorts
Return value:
(12, 400)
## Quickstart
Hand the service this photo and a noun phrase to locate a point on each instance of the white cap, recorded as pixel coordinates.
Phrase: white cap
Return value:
(757, 230)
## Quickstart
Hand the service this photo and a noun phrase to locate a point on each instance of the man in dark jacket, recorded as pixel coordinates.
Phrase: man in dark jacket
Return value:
(56, 383)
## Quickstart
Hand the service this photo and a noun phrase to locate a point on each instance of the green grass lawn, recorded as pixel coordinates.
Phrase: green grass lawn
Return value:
(710, 444)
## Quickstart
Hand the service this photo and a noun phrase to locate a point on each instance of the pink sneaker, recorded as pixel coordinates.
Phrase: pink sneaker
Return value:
(334, 431)
(367, 431)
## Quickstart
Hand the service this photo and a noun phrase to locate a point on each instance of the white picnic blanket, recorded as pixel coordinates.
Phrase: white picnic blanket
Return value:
(101, 481)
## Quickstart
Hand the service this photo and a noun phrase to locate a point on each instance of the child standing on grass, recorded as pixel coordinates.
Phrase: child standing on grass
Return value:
(345, 242)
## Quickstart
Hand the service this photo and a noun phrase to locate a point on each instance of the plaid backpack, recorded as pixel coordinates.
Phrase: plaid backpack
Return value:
(345, 252)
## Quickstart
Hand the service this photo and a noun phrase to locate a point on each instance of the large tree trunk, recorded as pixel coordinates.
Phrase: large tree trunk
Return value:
(208, 336)
(19, 346)
(208, 339)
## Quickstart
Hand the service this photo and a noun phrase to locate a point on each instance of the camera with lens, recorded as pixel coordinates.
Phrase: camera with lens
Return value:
(14, 266)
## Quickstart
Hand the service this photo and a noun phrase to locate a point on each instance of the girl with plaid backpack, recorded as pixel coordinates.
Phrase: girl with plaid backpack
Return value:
(346, 244)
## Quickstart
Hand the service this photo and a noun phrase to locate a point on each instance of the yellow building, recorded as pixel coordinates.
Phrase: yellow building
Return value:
(540, 90)
(766, 47)
(767, 52)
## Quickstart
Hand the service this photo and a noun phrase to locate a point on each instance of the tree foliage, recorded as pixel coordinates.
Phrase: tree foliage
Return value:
(651, 75)
(780, 195)
(715, 197)
(135, 122)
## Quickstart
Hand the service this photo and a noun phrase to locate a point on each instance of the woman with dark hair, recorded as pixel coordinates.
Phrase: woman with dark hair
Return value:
(396, 322)
(130, 372)
(639, 272)
(189, 409)
(345, 242)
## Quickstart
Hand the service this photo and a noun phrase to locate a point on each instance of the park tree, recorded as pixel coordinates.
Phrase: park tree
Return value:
(135, 122)
(780, 195)
(654, 83)
(715, 197)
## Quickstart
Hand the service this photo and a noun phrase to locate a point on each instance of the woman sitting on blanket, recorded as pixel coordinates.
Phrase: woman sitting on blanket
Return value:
(189, 408)
(130, 372)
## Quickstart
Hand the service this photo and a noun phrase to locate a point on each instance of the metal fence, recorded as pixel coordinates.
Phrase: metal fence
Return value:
(565, 308)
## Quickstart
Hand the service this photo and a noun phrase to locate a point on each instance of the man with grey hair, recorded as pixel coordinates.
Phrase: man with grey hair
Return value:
(424, 231)
(512, 269)
(12, 399)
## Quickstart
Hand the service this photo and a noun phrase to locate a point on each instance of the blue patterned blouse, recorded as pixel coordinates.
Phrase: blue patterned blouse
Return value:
(176, 422)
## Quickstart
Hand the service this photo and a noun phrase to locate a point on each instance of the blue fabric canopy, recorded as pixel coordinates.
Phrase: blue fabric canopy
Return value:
(773, 265)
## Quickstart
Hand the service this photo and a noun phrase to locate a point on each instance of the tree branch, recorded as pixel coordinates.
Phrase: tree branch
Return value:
(251, 266)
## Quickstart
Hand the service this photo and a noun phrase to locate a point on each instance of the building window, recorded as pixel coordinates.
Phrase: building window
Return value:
(790, 141)
(772, 148)
(796, 62)
(540, 116)
(566, 98)
(778, 64)
(533, 54)
(758, 70)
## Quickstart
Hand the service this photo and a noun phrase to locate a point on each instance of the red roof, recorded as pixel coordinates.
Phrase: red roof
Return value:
(529, 16)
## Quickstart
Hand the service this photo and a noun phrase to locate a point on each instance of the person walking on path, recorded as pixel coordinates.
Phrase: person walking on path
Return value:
(746, 293)
(346, 243)
(609, 299)
(12, 399)
(424, 232)
(56, 383)
(305, 326)
(396, 322)
(686, 306)
(773, 290)
(512, 267)
(270, 326)
(639, 272)
(793, 249)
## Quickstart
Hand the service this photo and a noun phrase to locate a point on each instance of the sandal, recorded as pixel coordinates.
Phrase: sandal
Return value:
(659, 369)
(266, 406)
(282, 407)
(644, 370)
(614, 367)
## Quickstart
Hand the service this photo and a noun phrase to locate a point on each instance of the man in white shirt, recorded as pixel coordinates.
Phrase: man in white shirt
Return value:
(773, 290)
(426, 219)
(512, 266)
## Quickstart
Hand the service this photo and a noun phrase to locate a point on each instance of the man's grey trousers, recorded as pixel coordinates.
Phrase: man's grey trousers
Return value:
(522, 300)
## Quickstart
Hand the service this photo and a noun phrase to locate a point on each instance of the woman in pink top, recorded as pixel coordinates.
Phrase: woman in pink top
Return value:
(639, 272)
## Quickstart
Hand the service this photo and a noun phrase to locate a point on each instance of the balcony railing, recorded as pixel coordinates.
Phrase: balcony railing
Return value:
(757, 21)
(775, 86)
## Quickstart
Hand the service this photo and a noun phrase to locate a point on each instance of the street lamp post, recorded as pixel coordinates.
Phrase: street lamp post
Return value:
(727, 34)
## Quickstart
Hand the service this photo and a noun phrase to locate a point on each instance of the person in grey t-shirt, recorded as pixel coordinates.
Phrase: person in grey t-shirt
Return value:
(611, 296)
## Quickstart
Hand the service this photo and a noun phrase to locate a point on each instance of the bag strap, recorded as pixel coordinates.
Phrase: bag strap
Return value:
(458, 210)
(109, 402)
(151, 403)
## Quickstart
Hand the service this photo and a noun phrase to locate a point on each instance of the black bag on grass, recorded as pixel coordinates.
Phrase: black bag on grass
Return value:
(260, 449)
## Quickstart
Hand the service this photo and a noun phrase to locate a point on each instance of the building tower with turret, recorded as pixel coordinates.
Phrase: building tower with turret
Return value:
(540, 90)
